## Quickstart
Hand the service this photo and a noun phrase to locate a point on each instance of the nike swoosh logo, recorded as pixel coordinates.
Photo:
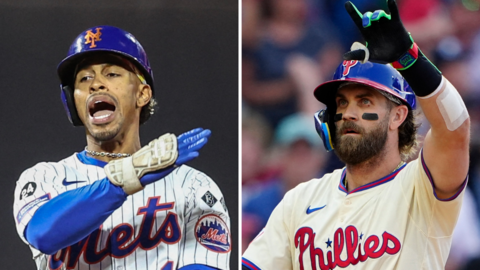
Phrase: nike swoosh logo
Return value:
(65, 183)
(311, 210)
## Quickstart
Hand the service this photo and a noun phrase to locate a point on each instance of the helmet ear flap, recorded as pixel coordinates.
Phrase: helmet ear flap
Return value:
(322, 126)
(66, 94)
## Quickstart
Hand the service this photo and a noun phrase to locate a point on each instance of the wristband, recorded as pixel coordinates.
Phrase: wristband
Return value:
(408, 59)
(423, 77)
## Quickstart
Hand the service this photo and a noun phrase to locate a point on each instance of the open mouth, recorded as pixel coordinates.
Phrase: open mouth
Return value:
(101, 108)
(350, 131)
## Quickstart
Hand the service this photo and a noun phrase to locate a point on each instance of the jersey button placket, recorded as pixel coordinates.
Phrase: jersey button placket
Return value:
(345, 209)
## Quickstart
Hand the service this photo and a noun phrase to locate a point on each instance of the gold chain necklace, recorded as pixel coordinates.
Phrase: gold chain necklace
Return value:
(399, 165)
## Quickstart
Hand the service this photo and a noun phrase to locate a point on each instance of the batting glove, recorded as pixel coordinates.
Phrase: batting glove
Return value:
(156, 160)
(386, 39)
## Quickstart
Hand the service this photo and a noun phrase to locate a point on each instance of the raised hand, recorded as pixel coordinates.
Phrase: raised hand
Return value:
(385, 36)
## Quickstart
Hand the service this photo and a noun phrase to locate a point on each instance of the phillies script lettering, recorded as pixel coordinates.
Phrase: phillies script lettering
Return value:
(372, 248)
(122, 241)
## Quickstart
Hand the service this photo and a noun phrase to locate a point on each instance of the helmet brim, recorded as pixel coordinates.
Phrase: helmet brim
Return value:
(327, 91)
(66, 68)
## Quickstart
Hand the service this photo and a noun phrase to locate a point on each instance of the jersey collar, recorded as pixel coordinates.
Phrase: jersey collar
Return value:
(373, 184)
(82, 156)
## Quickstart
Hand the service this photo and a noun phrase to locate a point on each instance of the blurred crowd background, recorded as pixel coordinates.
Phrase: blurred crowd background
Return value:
(291, 46)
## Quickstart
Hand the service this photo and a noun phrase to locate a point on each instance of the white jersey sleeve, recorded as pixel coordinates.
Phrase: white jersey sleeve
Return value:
(436, 217)
(33, 189)
(272, 249)
(433, 219)
(206, 225)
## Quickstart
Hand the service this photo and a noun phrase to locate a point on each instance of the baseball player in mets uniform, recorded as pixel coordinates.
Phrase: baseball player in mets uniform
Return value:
(378, 212)
(117, 205)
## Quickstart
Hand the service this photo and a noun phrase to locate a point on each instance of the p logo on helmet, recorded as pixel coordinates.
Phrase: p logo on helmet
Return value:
(348, 64)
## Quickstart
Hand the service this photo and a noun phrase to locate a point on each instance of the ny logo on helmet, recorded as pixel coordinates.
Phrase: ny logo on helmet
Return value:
(91, 38)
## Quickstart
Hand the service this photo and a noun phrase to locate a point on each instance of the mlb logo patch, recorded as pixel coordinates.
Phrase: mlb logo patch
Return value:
(209, 199)
(213, 233)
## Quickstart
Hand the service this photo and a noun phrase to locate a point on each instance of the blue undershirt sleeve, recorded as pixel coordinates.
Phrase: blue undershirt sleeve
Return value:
(197, 267)
(73, 215)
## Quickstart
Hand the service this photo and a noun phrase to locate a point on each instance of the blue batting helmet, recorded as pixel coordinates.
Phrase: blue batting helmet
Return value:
(99, 39)
(382, 77)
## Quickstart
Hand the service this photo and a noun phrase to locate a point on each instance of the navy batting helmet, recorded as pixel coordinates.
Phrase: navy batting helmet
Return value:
(382, 77)
(99, 39)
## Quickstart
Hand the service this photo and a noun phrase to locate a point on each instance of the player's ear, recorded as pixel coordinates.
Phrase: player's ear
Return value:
(144, 95)
(398, 114)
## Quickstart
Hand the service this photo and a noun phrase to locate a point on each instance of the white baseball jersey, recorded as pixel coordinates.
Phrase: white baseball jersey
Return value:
(395, 222)
(176, 221)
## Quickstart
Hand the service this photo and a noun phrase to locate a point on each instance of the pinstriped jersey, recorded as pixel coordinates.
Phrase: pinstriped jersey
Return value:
(396, 222)
(179, 220)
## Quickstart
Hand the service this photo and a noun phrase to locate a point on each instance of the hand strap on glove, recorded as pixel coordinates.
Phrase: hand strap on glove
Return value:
(408, 59)
(422, 76)
(158, 154)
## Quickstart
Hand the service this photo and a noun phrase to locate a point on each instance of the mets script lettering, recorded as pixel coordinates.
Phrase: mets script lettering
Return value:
(122, 241)
(348, 239)
(213, 235)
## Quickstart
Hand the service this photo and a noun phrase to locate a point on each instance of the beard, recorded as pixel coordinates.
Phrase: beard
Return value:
(352, 150)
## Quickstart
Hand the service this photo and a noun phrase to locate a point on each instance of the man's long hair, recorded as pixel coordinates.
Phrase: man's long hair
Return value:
(407, 131)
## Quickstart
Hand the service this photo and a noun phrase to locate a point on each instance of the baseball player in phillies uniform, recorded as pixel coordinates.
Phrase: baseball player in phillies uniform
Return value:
(378, 212)
(117, 205)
